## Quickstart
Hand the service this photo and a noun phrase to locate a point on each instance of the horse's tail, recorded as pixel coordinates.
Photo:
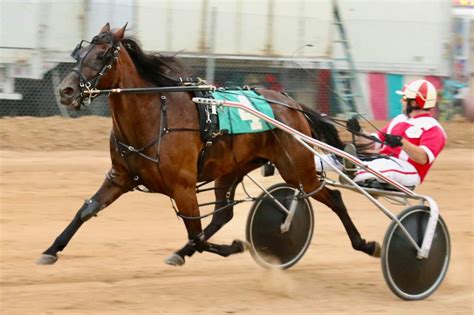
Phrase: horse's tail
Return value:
(322, 128)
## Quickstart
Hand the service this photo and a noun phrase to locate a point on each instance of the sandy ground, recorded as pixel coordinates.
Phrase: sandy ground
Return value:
(115, 265)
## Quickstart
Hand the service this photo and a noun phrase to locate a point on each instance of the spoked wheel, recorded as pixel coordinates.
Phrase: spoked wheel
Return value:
(407, 276)
(272, 248)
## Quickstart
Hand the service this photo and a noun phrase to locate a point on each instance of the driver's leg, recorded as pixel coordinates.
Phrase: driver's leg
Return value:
(398, 170)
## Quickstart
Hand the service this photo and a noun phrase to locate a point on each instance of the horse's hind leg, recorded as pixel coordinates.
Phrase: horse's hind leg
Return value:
(107, 193)
(333, 199)
(305, 174)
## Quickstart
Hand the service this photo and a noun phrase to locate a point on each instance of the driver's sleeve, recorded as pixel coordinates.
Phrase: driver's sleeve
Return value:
(432, 141)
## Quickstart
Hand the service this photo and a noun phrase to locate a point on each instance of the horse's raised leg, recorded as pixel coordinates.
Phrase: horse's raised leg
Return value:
(106, 194)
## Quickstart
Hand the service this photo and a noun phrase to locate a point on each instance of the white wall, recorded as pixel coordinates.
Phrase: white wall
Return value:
(241, 26)
(403, 35)
(388, 35)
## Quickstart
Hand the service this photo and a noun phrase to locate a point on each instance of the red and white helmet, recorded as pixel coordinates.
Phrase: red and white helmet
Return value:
(422, 91)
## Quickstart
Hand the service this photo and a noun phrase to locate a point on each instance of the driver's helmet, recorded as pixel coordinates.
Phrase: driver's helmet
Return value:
(422, 91)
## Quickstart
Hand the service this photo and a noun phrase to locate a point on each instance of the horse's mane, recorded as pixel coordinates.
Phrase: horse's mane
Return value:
(322, 128)
(153, 67)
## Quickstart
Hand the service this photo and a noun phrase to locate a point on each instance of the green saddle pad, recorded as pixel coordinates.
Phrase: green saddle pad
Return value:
(238, 121)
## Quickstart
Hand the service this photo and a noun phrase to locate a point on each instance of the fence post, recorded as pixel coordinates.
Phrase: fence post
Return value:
(211, 59)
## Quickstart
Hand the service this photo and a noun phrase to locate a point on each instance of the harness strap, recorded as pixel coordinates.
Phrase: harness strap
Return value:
(303, 195)
(182, 129)
(163, 123)
(127, 149)
(202, 158)
(164, 113)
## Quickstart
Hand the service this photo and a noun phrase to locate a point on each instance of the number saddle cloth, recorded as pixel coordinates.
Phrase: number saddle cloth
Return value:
(238, 121)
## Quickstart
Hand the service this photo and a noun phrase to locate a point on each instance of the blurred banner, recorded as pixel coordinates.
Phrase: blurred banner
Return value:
(463, 3)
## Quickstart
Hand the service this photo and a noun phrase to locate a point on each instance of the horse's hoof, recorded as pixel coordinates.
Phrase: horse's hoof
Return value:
(175, 260)
(377, 250)
(46, 259)
(242, 246)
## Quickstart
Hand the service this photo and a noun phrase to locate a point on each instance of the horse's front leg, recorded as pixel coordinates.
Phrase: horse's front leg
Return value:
(187, 204)
(106, 194)
(224, 194)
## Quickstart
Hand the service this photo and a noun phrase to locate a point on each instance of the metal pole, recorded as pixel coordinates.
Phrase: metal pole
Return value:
(301, 25)
(211, 60)
(202, 27)
(238, 26)
(151, 90)
(269, 39)
(135, 8)
(169, 26)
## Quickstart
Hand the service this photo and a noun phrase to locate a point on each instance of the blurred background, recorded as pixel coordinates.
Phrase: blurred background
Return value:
(338, 57)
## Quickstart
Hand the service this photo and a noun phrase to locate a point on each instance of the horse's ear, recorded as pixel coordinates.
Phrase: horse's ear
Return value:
(118, 35)
(105, 28)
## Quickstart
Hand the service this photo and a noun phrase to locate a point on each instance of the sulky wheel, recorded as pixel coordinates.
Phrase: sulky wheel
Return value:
(270, 247)
(407, 276)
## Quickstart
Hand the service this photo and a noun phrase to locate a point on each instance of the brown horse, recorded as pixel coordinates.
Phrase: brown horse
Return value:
(167, 162)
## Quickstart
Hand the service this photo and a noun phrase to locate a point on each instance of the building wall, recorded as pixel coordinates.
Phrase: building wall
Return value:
(403, 35)
(391, 40)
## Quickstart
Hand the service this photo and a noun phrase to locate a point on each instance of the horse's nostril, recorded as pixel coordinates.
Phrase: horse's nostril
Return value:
(67, 91)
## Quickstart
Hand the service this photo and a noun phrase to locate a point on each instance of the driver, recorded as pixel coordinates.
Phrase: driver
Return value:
(411, 140)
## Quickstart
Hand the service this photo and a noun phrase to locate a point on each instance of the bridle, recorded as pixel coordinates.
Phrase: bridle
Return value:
(109, 57)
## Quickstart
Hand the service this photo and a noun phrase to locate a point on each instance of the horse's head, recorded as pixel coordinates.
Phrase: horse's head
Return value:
(93, 60)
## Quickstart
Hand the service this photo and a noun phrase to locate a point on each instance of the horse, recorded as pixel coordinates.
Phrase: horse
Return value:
(167, 163)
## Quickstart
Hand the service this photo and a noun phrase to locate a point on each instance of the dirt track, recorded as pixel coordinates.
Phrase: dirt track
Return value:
(115, 262)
